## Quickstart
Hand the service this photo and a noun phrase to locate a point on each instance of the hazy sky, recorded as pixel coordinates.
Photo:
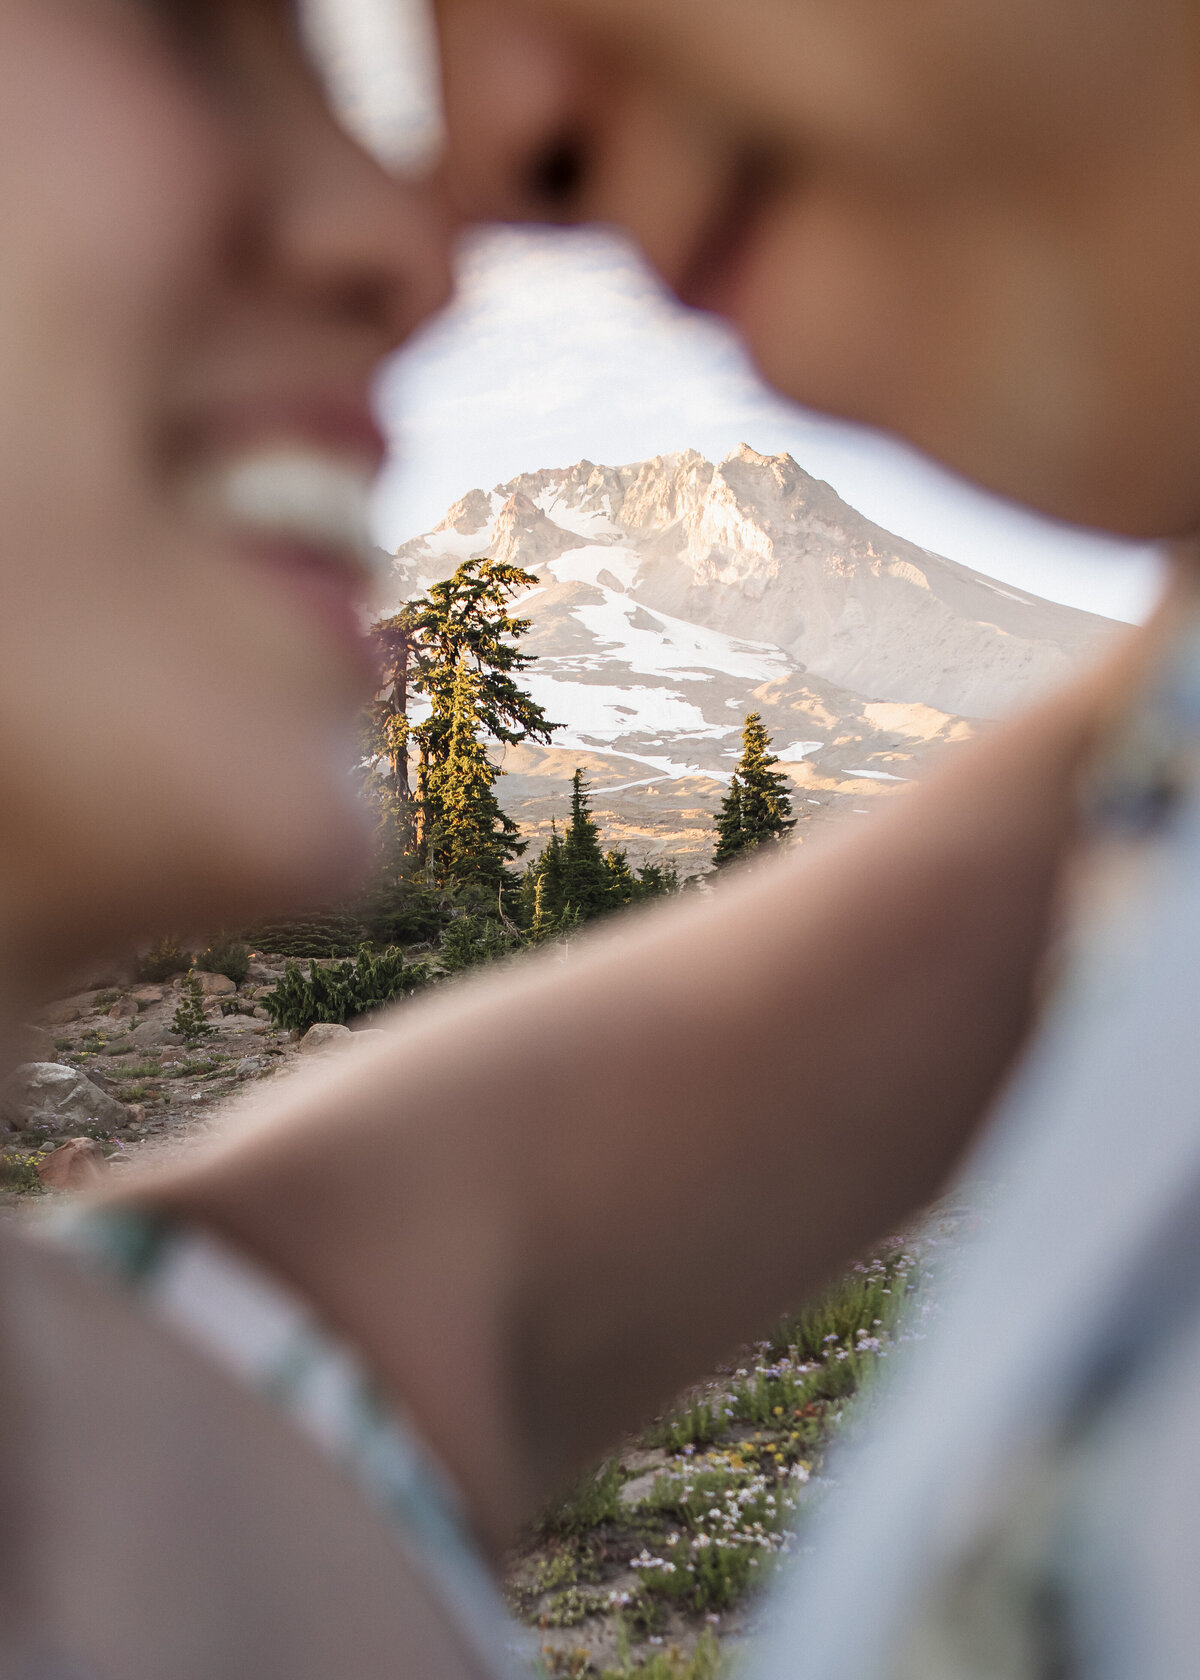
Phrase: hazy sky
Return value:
(562, 347)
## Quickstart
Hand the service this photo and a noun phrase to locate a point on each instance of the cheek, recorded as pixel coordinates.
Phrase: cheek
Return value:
(1053, 363)
(112, 187)
(175, 745)
(836, 309)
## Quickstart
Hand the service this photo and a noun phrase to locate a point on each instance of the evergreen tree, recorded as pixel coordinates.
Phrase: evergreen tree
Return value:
(542, 888)
(189, 1019)
(464, 621)
(623, 885)
(757, 810)
(657, 880)
(543, 922)
(388, 736)
(473, 839)
(730, 841)
(586, 880)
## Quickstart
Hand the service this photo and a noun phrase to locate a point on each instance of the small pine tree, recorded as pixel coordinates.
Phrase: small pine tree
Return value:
(657, 880)
(542, 884)
(623, 885)
(586, 879)
(757, 810)
(473, 940)
(544, 920)
(189, 1019)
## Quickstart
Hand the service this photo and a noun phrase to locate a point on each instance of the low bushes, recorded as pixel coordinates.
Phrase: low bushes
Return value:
(164, 960)
(226, 954)
(320, 933)
(343, 991)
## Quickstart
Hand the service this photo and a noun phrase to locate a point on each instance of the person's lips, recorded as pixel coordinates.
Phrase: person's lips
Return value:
(291, 492)
(300, 513)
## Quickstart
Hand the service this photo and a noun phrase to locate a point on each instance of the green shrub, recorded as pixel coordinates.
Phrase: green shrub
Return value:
(471, 940)
(189, 1019)
(228, 955)
(403, 913)
(344, 991)
(19, 1173)
(164, 960)
(319, 933)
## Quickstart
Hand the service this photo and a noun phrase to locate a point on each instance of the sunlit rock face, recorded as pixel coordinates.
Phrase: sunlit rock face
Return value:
(675, 595)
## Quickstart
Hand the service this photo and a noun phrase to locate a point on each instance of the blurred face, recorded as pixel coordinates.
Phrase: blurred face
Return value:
(975, 224)
(199, 273)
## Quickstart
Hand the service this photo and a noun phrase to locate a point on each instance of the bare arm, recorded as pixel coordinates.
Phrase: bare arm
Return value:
(563, 1190)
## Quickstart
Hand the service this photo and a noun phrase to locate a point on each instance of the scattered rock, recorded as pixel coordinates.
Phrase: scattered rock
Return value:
(69, 1009)
(325, 1035)
(263, 992)
(54, 1095)
(147, 996)
(261, 1014)
(250, 1065)
(136, 1114)
(641, 1487)
(33, 1044)
(125, 1009)
(216, 985)
(644, 1458)
(73, 1165)
(263, 973)
(148, 1035)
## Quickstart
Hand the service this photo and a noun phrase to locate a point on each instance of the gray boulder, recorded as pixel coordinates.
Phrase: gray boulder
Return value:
(56, 1096)
(326, 1035)
(150, 1035)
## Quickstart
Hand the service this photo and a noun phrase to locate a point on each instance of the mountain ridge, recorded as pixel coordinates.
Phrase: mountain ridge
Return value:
(675, 594)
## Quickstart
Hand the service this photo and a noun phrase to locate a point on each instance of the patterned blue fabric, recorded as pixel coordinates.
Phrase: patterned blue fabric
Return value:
(199, 1288)
(1028, 1507)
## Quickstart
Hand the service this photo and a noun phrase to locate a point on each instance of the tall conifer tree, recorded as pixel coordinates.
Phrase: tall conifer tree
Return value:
(730, 841)
(388, 736)
(462, 623)
(757, 810)
(473, 839)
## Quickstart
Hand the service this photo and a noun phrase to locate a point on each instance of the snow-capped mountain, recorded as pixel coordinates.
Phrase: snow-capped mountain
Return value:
(674, 596)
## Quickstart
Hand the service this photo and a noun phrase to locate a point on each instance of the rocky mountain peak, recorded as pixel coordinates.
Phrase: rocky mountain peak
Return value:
(757, 549)
(523, 535)
(469, 514)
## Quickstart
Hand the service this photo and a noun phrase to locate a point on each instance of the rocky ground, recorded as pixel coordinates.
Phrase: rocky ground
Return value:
(106, 1072)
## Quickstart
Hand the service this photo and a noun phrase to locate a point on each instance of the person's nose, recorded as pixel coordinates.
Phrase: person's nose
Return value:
(361, 246)
(520, 101)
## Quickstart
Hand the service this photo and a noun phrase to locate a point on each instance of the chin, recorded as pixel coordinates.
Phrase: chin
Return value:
(294, 864)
